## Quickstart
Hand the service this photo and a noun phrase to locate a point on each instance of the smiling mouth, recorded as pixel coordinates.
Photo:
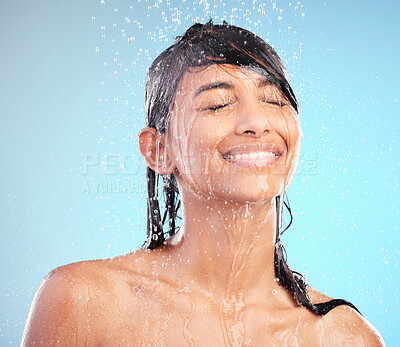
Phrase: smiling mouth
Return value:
(253, 159)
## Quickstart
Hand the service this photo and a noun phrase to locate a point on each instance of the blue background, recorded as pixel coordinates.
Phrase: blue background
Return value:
(72, 181)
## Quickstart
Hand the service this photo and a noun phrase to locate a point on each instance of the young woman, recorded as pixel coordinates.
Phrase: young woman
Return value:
(223, 133)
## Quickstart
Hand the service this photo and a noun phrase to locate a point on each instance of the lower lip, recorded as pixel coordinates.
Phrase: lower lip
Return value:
(254, 162)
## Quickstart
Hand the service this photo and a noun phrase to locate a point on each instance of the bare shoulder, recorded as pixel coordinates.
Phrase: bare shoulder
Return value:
(60, 305)
(72, 301)
(345, 326)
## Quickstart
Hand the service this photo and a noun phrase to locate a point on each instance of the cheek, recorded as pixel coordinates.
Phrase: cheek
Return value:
(286, 124)
(294, 136)
(289, 126)
(199, 160)
(293, 141)
(203, 140)
(188, 147)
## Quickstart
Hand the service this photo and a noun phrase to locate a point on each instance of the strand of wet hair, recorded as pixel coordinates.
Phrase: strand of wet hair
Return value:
(170, 209)
(155, 236)
(292, 281)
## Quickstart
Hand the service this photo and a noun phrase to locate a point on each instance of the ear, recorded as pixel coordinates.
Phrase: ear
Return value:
(152, 147)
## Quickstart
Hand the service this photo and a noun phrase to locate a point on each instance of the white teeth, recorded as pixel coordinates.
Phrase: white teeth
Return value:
(266, 154)
(252, 155)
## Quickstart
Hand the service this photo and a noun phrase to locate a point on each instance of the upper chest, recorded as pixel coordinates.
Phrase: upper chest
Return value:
(167, 318)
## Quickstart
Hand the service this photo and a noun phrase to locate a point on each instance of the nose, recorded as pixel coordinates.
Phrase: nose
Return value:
(252, 120)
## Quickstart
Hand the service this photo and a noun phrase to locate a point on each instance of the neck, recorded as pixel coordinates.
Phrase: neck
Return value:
(230, 245)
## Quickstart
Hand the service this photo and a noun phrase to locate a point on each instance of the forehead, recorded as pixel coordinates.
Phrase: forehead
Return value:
(195, 78)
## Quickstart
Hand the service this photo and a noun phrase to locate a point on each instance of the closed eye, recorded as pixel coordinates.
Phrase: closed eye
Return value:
(273, 102)
(217, 107)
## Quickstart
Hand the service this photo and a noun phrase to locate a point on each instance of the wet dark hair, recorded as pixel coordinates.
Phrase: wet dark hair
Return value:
(203, 45)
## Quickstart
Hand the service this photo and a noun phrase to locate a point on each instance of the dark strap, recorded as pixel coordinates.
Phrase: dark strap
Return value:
(324, 307)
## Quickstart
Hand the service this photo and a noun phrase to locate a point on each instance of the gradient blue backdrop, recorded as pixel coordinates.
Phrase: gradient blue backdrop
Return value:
(72, 181)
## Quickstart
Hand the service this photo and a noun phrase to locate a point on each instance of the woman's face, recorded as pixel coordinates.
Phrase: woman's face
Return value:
(232, 135)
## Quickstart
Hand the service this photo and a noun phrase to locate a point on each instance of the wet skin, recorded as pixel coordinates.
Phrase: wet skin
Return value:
(232, 144)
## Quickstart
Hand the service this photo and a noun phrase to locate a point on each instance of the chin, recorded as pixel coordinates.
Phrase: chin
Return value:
(249, 192)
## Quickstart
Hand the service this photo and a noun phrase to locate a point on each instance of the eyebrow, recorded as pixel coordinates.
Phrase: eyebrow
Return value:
(220, 85)
(263, 82)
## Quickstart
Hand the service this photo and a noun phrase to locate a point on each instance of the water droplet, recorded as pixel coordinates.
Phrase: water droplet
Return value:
(247, 213)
